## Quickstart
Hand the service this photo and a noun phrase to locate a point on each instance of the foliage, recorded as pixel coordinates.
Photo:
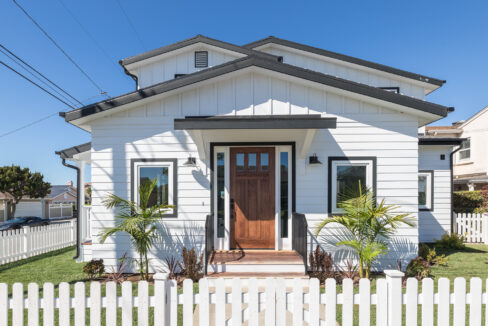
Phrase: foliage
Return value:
(191, 266)
(431, 256)
(94, 268)
(172, 266)
(350, 271)
(19, 182)
(118, 274)
(470, 201)
(321, 264)
(418, 268)
(139, 220)
(451, 241)
(368, 225)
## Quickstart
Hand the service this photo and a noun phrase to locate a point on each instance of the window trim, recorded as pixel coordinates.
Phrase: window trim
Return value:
(461, 149)
(430, 192)
(331, 160)
(173, 163)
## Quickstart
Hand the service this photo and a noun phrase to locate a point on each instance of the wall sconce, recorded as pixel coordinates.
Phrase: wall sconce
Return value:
(314, 159)
(191, 161)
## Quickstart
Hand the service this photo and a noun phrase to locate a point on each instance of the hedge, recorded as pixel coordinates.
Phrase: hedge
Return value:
(470, 201)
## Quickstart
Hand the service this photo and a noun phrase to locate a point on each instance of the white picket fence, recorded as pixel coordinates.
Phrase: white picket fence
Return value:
(474, 227)
(33, 241)
(60, 210)
(221, 303)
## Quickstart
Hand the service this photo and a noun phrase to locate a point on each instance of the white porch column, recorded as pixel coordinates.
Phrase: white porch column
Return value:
(81, 200)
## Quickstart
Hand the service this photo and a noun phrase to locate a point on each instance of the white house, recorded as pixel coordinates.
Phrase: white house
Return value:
(253, 144)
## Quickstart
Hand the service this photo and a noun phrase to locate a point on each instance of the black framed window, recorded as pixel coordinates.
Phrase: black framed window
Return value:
(426, 190)
(220, 195)
(284, 210)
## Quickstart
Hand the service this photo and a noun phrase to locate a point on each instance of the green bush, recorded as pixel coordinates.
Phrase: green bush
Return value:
(430, 255)
(418, 268)
(451, 241)
(470, 201)
(94, 268)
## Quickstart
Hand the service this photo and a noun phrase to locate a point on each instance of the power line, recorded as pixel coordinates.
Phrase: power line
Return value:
(107, 56)
(33, 82)
(59, 47)
(28, 125)
(39, 73)
(130, 23)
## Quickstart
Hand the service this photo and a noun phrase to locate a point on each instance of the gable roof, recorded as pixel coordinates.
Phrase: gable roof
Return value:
(190, 41)
(260, 62)
(346, 58)
(473, 117)
(57, 190)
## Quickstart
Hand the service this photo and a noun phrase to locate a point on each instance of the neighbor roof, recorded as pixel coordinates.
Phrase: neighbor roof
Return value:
(342, 57)
(71, 151)
(196, 39)
(260, 62)
(57, 190)
(430, 140)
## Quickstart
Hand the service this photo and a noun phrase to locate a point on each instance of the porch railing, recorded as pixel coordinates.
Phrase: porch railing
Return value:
(299, 236)
(209, 238)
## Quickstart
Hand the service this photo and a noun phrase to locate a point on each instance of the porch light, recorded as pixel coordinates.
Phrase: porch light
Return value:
(191, 161)
(314, 159)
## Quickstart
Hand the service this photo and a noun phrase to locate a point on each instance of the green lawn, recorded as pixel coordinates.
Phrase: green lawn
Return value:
(59, 266)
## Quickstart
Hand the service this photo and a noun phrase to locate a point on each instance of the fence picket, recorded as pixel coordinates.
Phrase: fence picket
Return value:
(220, 304)
(348, 302)
(48, 298)
(253, 302)
(444, 305)
(80, 305)
(364, 302)
(314, 304)
(33, 304)
(143, 307)
(459, 301)
(18, 302)
(204, 310)
(381, 305)
(476, 287)
(64, 303)
(96, 304)
(427, 302)
(160, 304)
(270, 310)
(297, 302)
(331, 302)
(127, 303)
(236, 301)
(280, 302)
(111, 309)
(3, 304)
(188, 302)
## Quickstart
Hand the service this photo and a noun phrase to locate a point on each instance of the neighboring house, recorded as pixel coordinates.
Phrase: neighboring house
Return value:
(244, 139)
(471, 161)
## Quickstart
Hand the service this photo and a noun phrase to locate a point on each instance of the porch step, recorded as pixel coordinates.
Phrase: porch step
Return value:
(255, 262)
(262, 278)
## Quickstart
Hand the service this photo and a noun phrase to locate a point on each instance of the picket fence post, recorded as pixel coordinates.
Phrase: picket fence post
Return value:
(26, 245)
(394, 296)
(160, 307)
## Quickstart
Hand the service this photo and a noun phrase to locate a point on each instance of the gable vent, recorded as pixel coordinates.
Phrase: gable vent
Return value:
(201, 59)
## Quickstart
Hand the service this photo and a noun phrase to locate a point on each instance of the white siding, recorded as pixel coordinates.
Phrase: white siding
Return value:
(147, 132)
(343, 70)
(433, 224)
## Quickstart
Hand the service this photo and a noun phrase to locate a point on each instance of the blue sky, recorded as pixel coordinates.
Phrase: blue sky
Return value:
(442, 39)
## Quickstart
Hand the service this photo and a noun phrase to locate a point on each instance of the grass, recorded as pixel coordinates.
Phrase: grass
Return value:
(59, 266)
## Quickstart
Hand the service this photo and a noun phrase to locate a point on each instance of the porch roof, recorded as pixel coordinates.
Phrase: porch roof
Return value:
(69, 153)
(308, 121)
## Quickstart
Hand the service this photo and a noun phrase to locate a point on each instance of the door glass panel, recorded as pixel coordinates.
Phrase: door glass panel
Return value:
(264, 162)
(220, 195)
(422, 190)
(240, 162)
(284, 194)
(251, 164)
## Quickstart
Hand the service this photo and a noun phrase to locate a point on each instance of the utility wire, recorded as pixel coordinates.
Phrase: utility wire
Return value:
(59, 47)
(130, 23)
(28, 125)
(33, 82)
(16, 58)
(108, 56)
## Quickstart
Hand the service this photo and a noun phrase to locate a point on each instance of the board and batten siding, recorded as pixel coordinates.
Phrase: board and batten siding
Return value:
(333, 67)
(147, 131)
(433, 224)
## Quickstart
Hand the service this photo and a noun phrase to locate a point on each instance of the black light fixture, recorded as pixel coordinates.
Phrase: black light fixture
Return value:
(191, 161)
(314, 159)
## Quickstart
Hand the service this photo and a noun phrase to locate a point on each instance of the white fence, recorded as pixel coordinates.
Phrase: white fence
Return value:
(33, 241)
(474, 227)
(60, 210)
(220, 303)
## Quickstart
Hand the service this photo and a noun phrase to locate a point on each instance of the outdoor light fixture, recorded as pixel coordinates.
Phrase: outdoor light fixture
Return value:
(191, 161)
(314, 159)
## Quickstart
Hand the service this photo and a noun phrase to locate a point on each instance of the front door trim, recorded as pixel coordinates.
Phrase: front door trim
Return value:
(224, 243)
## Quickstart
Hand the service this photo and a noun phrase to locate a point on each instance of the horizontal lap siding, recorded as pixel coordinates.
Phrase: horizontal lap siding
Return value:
(433, 224)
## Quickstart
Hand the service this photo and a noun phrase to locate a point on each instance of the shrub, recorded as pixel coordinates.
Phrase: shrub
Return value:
(172, 267)
(118, 274)
(470, 201)
(451, 241)
(350, 271)
(418, 268)
(94, 268)
(430, 255)
(321, 264)
(191, 266)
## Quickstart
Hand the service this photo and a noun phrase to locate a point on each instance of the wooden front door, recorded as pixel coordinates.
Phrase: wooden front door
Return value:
(252, 193)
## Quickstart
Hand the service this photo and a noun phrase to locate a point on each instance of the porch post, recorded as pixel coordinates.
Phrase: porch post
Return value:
(81, 200)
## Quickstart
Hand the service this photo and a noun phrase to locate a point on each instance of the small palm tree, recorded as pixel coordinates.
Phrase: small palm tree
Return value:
(369, 226)
(138, 220)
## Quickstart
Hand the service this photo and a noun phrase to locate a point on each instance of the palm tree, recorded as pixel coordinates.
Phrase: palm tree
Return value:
(139, 220)
(368, 225)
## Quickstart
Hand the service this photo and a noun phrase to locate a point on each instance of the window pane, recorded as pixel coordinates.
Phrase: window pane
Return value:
(464, 154)
(251, 164)
(422, 190)
(284, 194)
(466, 143)
(265, 162)
(349, 179)
(220, 195)
(240, 162)
(159, 194)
